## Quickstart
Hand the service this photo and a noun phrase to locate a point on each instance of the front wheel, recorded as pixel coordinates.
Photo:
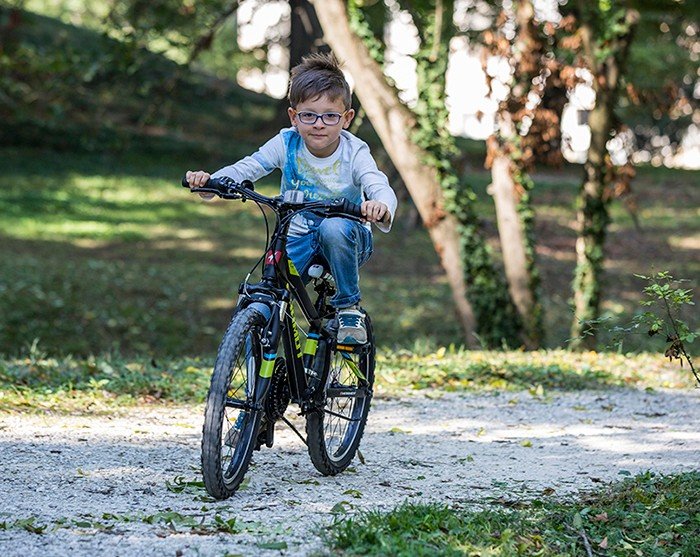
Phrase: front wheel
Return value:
(335, 430)
(230, 422)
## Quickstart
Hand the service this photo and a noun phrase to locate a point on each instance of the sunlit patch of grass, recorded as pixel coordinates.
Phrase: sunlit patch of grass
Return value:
(39, 383)
(110, 253)
(645, 515)
(455, 370)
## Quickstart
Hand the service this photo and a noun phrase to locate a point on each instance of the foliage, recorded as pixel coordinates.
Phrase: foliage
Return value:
(69, 87)
(665, 302)
(363, 21)
(520, 134)
(645, 515)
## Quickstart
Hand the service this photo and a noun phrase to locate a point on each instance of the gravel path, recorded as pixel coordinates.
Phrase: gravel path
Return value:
(461, 449)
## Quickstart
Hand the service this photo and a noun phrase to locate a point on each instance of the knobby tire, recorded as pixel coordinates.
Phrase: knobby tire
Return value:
(333, 441)
(226, 449)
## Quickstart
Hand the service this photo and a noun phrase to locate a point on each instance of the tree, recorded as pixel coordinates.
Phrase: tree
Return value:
(306, 33)
(509, 159)
(496, 315)
(428, 177)
(606, 29)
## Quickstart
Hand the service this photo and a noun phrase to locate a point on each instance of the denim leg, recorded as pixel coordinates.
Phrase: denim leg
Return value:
(301, 249)
(346, 245)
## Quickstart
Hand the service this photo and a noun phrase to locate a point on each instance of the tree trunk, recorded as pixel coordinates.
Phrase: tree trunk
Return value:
(592, 220)
(393, 123)
(592, 204)
(511, 236)
(306, 34)
(510, 183)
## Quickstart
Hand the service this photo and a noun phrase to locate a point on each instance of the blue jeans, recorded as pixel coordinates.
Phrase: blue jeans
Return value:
(345, 244)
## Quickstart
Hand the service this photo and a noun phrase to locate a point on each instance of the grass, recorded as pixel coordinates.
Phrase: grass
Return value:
(646, 515)
(108, 254)
(95, 385)
(91, 92)
(39, 383)
(459, 370)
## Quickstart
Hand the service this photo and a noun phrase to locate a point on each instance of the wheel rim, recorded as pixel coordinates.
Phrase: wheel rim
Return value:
(237, 422)
(343, 413)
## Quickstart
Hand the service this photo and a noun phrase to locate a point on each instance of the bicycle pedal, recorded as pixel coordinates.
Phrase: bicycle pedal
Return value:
(351, 348)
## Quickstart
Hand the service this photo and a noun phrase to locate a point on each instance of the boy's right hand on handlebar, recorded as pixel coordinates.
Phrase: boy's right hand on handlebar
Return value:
(197, 178)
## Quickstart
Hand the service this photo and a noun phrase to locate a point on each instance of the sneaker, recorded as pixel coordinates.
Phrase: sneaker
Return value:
(351, 326)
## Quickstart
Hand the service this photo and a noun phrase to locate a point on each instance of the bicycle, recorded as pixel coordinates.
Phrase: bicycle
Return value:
(252, 384)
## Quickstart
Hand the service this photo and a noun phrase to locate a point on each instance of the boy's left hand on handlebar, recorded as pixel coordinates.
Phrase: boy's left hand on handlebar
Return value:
(375, 211)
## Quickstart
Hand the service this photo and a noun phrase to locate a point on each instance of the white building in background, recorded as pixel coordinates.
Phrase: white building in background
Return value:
(472, 109)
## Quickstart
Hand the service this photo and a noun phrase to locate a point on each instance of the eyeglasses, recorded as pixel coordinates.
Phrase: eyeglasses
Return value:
(328, 118)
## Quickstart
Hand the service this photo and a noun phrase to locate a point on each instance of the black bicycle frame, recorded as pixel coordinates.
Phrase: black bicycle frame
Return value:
(279, 287)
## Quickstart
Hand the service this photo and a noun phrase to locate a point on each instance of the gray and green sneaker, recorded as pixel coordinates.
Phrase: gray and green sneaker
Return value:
(351, 326)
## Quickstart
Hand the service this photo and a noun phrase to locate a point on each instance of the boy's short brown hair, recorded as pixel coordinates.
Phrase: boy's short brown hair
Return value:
(316, 75)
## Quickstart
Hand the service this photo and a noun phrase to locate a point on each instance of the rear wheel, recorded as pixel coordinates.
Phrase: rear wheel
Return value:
(230, 423)
(334, 432)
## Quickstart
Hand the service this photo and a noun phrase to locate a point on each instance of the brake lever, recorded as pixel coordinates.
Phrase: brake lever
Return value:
(215, 191)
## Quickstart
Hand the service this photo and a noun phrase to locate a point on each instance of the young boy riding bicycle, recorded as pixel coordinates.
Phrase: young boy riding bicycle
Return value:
(319, 157)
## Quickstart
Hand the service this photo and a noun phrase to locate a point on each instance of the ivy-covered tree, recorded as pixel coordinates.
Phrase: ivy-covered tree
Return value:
(486, 289)
(518, 139)
(420, 147)
(625, 74)
(605, 30)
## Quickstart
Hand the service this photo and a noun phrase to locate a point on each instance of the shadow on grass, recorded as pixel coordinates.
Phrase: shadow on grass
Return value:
(135, 265)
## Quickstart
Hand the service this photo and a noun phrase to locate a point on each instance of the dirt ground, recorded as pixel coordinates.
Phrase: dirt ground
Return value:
(100, 485)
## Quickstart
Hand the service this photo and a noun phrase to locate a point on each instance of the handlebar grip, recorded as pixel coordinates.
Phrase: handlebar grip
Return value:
(352, 209)
(185, 183)
(343, 208)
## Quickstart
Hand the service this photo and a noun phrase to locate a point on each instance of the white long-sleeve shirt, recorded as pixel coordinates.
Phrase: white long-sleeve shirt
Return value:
(350, 172)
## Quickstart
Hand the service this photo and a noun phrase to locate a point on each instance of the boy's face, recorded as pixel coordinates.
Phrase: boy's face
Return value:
(323, 136)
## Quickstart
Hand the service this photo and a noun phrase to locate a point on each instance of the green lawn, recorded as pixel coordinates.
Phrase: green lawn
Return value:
(41, 383)
(647, 516)
(107, 253)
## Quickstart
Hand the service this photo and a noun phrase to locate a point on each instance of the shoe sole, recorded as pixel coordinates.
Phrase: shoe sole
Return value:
(351, 340)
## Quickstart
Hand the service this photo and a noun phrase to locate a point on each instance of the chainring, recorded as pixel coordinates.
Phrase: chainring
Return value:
(279, 395)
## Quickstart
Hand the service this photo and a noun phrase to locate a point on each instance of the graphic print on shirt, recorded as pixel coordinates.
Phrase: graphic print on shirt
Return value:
(318, 182)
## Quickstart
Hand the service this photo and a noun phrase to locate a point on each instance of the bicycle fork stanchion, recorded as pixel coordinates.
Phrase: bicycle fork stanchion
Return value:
(270, 340)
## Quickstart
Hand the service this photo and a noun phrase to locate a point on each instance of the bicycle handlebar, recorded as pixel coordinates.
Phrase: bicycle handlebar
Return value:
(226, 188)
